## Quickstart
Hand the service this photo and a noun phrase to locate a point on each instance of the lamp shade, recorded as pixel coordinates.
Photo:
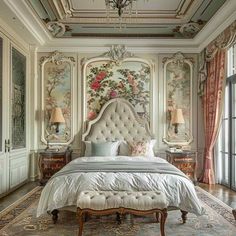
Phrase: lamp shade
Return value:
(177, 117)
(57, 116)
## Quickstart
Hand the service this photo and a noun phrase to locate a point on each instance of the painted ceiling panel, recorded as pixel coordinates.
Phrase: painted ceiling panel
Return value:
(150, 18)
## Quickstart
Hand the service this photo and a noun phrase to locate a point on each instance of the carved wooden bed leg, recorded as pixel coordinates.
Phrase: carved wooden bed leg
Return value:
(81, 222)
(54, 216)
(118, 218)
(157, 217)
(184, 216)
(234, 213)
(163, 220)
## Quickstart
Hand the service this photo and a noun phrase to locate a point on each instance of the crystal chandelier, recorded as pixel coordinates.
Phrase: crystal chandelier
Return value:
(120, 6)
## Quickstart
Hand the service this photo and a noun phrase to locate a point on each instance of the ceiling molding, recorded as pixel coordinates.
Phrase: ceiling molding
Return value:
(221, 20)
(218, 22)
(10, 33)
(23, 12)
(101, 49)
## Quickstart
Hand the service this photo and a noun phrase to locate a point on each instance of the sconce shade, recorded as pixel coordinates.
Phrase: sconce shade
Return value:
(177, 117)
(57, 116)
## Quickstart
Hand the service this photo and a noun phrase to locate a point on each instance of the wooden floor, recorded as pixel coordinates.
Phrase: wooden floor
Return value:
(224, 194)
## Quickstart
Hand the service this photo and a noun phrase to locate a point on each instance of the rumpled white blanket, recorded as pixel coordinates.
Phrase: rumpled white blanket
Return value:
(62, 191)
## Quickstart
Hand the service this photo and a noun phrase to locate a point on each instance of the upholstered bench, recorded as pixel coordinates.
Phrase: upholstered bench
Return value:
(109, 202)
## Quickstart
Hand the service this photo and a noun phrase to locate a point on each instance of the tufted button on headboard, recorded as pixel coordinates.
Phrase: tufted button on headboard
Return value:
(117, 120)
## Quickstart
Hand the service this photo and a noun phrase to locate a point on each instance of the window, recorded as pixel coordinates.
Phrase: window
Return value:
(226, 145)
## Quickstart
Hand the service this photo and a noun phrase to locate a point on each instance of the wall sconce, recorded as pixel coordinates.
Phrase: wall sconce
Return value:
(177, 118)
(57, 117)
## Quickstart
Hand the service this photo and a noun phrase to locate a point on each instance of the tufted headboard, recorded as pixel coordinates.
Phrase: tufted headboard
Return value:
(117, 120)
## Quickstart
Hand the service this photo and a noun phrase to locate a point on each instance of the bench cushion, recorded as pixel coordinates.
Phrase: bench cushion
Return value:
(102, 200)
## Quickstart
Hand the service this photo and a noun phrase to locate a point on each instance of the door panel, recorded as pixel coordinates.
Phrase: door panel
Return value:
(3, 175)
(18, 171)
(18, 74)
(3, 158)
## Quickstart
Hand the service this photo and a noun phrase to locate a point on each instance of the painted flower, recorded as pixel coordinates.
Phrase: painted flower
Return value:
(101, 76)
(113, 94)
(130, 79)
(135, 90)
(92, 115)
(95, 85)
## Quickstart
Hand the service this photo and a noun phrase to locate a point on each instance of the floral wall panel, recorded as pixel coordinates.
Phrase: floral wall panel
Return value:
(106, 79)
(57, 74)
(178, 90)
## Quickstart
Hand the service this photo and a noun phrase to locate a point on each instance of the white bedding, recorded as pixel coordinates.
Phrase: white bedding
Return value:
(62, 191)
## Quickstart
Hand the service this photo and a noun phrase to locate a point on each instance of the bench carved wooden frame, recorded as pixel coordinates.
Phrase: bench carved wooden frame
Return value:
(120, 211)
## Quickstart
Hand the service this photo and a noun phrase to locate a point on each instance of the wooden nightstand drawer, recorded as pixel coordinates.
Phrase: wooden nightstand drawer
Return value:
(186, 161)
(51, 162)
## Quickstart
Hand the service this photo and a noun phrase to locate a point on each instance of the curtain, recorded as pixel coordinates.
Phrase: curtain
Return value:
(212, 110)
(212, 75)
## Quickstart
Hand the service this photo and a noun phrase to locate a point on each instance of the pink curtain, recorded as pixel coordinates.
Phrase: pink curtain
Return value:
(212, 109)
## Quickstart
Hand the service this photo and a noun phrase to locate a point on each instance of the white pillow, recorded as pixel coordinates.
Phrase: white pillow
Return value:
(125, 149)
(150, 152)
(88, 149)
(113, 151)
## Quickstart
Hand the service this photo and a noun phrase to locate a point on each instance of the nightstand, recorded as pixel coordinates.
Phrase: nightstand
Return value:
(186, 161)
(51, 162)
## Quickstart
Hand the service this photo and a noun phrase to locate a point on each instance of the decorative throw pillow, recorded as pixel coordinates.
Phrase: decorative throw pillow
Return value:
(139, 148)
(125, 148)
(104, 149)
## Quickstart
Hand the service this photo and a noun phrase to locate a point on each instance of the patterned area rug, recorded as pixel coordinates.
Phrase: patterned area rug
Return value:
(19, 219)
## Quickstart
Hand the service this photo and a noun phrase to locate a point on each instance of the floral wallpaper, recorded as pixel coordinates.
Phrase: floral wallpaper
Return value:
(106, 80)
(57, 93)
(178, 92)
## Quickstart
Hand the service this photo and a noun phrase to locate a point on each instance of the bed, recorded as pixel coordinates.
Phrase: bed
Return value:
(118, 121)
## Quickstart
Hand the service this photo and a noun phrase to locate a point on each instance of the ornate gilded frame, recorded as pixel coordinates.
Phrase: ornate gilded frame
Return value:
(179, 60)
(57, 58)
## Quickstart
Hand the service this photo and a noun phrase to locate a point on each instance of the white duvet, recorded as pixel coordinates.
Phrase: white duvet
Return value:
(62, 191)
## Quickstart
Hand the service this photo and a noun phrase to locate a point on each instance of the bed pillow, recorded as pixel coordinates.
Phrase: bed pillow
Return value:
(150, 152)
(124, 149)
(138, 148)
(104, 149)
(88, 151)
(142, 148)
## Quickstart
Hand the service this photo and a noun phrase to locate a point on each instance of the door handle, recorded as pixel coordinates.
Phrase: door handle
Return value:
(7, 145)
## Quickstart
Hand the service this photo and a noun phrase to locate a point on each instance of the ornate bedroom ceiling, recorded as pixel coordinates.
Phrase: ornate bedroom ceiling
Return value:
(150, 18)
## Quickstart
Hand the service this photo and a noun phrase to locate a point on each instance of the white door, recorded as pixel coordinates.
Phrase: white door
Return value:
(14, 156)
(4, 183)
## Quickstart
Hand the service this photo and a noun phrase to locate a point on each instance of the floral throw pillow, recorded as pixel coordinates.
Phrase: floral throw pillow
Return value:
(138, 148)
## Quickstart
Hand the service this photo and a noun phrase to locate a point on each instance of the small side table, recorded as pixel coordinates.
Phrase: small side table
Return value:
(186, 161)
(51, 162)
